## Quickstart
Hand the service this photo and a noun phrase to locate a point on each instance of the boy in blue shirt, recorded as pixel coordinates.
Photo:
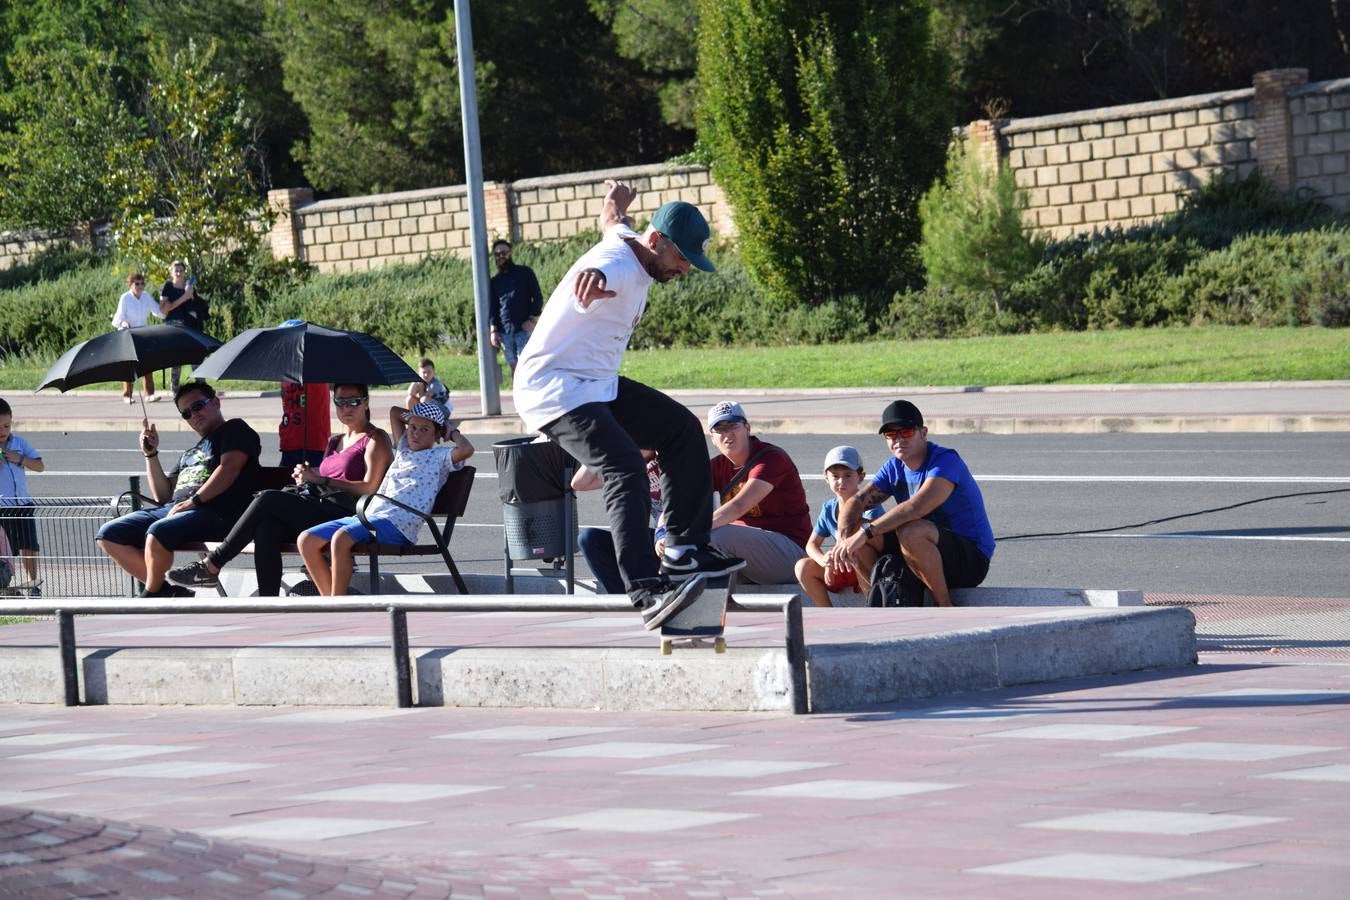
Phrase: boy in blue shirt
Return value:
(16, 506)
(815, 572)
(938, 526)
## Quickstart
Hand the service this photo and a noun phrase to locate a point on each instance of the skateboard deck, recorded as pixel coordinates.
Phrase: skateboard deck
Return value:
(702, 623)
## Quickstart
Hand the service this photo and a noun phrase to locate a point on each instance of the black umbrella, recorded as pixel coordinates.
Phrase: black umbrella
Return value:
(306, 354)
(127, 354)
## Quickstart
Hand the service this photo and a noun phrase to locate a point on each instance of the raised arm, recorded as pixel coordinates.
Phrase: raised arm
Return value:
(396, 423)
(618, 197)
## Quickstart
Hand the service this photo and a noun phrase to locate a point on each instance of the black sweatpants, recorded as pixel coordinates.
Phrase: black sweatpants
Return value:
(273, 519)
(607, 437)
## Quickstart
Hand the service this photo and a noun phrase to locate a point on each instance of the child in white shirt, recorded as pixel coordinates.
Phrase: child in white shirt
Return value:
(414, 478)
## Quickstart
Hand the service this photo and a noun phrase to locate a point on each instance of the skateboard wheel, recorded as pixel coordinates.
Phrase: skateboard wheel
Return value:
(720, 645)
(666, 648)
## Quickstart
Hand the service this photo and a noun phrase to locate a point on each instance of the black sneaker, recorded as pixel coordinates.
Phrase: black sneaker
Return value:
(165, 591)
(194, 575)
(660, 598)
(306, 588)
(705, 560)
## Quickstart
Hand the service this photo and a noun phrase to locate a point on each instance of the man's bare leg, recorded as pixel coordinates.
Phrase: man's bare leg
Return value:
(158, 559)
(919, 545)
(128, 558)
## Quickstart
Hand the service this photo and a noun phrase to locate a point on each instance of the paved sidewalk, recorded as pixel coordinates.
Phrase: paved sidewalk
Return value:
(1218, 780)
(1250, 407)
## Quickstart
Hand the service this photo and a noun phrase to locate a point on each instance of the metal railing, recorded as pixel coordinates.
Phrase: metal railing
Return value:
(69, 563)
(397, 609)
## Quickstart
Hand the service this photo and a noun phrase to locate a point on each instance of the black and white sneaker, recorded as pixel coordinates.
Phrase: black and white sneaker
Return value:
(660, 598)
(166, 591)
(194, 575)
(705, 560)
(305, 588)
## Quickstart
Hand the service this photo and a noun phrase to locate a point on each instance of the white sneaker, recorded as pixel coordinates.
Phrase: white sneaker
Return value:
(128, 400)
(153, 398)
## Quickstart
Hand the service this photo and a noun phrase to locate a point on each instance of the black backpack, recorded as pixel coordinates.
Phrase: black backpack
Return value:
(893, 584)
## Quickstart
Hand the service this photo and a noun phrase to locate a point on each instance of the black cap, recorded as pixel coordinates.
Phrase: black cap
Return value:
(901, 414)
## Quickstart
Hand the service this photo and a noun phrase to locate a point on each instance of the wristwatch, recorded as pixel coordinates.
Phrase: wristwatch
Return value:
(866, 529)
(196, 500)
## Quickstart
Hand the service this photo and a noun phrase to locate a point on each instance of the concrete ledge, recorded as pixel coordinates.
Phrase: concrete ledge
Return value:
(841, 676)
(595, 660)
(986, 596)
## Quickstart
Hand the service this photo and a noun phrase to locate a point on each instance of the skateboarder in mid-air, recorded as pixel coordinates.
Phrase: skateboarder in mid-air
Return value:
(567, 386)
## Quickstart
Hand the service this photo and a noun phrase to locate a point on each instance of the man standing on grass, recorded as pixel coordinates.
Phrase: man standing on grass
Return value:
(938, 527)
(516, 304)
(567, 386)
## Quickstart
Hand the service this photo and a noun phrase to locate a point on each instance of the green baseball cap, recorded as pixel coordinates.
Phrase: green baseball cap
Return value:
(685, 225)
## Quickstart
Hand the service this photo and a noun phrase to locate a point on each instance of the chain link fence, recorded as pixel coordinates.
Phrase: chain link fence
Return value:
(69, 563)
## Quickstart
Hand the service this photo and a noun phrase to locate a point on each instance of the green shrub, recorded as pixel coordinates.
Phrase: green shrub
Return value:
(973, 235)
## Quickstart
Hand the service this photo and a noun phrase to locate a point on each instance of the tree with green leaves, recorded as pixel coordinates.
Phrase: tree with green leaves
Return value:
(826, 122)
(662, 36)
(188, 186)
(973, 234)
(56, 155)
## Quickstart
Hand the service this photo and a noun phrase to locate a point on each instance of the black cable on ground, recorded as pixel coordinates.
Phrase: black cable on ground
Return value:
(1199, 512)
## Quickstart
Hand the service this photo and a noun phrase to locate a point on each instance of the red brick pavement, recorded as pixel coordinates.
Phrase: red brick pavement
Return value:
(1220, 780)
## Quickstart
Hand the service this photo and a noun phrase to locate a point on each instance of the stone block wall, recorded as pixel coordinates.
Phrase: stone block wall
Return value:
(1124, 165)
(359, 233)
(1320, 137)
(1128, 165)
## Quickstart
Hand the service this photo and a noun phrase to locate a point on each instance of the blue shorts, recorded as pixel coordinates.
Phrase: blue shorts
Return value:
(385, 532)
(190, 527)
(513, 342)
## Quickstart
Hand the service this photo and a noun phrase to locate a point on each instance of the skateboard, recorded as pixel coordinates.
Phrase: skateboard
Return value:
(703, 623)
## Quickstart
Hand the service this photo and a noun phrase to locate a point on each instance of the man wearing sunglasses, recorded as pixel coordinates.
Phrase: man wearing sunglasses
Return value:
(938, 529)
(567, 386)
(201, 497)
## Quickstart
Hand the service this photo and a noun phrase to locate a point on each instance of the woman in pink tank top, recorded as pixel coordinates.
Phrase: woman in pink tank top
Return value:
(354, 464)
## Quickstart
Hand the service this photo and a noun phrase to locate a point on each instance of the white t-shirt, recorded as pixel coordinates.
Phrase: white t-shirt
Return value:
(573, 354)
(133, 311)
(414, 478)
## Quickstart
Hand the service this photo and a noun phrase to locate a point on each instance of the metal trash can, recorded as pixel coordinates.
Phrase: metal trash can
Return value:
(539, 507)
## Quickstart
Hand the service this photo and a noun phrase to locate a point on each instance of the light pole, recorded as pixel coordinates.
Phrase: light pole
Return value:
(473, 178)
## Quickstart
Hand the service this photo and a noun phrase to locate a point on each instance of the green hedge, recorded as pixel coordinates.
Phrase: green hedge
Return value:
(1238, 255)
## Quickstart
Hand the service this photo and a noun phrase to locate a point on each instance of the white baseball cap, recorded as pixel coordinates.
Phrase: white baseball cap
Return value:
(843, 455)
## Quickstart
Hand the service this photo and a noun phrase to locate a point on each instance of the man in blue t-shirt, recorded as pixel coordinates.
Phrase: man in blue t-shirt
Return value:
(938, 527)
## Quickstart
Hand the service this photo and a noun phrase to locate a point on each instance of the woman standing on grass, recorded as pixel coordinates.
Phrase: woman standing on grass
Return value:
(354, 464)
(134, 309)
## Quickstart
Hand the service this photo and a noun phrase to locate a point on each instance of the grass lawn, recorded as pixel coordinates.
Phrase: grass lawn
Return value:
(1138, 356)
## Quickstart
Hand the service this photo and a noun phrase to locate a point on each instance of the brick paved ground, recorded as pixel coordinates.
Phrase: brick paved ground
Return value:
(1226, 779)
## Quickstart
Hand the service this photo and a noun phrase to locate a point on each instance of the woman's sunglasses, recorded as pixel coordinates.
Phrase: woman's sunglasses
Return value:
(349, 402)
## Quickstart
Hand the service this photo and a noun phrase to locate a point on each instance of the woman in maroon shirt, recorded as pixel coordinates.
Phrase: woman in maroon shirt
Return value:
(763, 516)
(353, 464)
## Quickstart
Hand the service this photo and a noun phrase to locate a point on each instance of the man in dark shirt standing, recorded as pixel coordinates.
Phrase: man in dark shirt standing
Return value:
(201, 497)
(516, 303)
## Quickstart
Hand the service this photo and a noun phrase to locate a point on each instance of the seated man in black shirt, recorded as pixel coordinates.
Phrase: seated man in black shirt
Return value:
(201, 496)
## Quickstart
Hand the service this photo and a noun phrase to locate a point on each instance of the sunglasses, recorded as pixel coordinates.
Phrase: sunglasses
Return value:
(725, 427)
(138, 284)
(349, 402)
(196, 407)
(894, 433)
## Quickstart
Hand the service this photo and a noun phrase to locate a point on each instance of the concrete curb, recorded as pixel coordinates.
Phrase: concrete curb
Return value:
(1037, 645)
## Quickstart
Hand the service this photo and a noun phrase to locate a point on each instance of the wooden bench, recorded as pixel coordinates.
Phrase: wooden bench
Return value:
(451, 502)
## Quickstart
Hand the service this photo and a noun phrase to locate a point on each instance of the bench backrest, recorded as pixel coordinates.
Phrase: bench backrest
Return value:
(271, 478)
(453, 498)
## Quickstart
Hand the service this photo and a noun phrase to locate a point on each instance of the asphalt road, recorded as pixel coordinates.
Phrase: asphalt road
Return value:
(1291, 538)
